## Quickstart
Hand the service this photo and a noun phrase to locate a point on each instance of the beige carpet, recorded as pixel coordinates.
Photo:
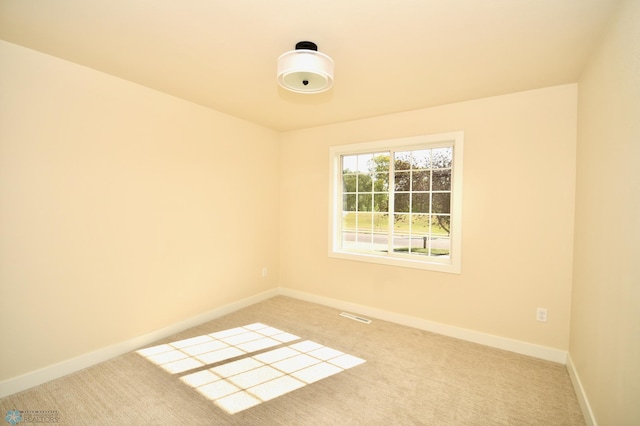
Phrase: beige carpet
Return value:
(376, 374)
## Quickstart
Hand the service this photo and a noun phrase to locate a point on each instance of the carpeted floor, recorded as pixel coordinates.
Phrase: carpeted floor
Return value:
(330, 370)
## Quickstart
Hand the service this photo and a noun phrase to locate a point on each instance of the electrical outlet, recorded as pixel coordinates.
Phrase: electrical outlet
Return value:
(541, 314)
(265, 272)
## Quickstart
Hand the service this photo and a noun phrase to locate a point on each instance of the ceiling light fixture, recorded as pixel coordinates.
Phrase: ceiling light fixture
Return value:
(305, 70)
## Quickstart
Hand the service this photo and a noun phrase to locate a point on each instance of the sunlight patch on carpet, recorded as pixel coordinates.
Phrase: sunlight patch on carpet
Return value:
(238, 385)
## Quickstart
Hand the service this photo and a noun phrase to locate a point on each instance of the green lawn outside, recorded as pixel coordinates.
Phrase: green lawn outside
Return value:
(380, 222)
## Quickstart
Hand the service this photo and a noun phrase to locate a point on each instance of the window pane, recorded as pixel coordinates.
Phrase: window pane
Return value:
(348, 222)
(440, 225)
(420, 159)
(440, 246)
(442, 180)
(364, 183)
(364, 202)
(364, 162)
(442, 202)
(381, 202)
(420, 224)
(349, 202)
(403, 181)
(349, 163)
(363, 240)
(420, 180)
(381, 224)
(380, 162)
(401, 203)
(365, 222)
(381, 182)
(349, 183)
(401, 244)
(442, 158)
(348, 240)
(403, 160)
(420, 203)
(370, 241)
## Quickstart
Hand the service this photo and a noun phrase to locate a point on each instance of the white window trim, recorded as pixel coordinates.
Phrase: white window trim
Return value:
(453, 263)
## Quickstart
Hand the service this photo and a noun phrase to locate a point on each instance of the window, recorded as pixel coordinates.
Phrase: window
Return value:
(398, 202)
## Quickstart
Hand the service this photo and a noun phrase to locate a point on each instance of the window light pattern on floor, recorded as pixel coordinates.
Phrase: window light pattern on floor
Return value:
(184, 355)
(245, 382)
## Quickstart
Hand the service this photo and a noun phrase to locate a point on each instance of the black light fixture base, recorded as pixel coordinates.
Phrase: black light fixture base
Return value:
(307, 45)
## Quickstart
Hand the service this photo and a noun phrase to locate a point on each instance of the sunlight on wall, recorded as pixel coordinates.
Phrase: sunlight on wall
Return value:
(248, 380)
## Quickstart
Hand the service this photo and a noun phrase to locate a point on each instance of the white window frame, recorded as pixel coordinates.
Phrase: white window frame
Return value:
(451, 263)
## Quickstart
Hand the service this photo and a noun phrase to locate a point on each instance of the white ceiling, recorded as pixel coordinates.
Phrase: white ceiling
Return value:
(390, 55)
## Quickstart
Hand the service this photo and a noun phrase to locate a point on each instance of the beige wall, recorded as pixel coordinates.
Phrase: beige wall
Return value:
(518, 209)
(605, 320)
(123, 210)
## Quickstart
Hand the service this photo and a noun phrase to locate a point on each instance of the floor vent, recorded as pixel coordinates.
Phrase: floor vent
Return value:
(355, 317)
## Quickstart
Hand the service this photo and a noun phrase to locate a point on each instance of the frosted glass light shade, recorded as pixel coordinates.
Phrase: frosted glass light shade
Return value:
(305, 71)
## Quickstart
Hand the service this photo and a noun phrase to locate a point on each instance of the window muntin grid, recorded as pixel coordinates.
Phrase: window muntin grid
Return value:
(414, 218)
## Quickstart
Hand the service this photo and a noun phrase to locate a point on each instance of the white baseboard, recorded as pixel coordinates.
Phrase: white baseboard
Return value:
(524, 348)
(589, 418)
(43, 375)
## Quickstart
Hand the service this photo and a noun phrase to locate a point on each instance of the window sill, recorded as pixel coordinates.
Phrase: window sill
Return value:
(447, 264)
